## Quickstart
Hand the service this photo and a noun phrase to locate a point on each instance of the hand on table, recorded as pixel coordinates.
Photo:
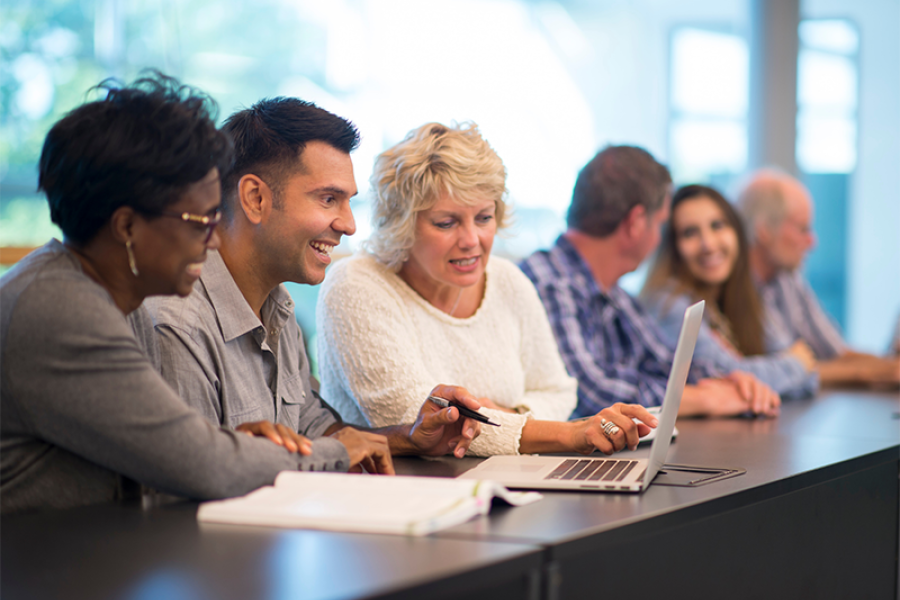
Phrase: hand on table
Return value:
(760, 398)
(725, 398)
(367, 450)
(278, 434)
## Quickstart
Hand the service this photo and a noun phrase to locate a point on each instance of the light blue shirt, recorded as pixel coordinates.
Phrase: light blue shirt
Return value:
(783, 373)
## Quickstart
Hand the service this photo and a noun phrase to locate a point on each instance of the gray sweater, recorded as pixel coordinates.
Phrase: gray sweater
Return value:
(83, 413)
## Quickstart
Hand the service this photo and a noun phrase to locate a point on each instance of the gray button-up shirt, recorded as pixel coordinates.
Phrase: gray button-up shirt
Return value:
(235, 369)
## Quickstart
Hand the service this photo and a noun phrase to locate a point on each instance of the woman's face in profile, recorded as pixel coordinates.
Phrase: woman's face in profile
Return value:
(170, 251)
(453, 243)
(705, 240)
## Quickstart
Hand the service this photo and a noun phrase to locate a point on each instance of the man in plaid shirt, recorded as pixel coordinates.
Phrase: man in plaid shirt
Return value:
(615, 350)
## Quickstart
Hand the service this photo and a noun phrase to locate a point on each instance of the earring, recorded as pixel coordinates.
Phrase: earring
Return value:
(131, 262)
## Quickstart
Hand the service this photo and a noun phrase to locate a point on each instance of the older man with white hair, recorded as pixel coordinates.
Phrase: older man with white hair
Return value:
(778, 213)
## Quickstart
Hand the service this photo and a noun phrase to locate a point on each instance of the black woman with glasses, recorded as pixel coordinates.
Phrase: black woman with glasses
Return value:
(132, 181)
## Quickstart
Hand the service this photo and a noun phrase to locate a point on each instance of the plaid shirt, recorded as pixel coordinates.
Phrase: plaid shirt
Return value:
(609, 344)
(796, 314)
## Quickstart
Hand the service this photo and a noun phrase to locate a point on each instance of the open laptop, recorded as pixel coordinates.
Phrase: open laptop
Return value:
(603, 474)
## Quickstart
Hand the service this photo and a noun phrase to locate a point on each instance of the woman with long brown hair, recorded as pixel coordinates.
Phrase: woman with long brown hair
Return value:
(703, 256)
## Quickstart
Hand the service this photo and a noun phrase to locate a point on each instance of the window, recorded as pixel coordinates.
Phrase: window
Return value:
(708, 104)
(826, 151)
(827, 96)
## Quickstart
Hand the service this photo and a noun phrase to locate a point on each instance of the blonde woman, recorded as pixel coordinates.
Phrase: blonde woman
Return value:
(426, 303)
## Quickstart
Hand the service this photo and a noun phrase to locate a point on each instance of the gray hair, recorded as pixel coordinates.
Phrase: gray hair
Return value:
(762, 200)
(410, 177)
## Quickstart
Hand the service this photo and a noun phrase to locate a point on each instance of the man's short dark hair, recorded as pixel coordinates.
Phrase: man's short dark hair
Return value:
(616, 180)
(269, 138)
(140, 146)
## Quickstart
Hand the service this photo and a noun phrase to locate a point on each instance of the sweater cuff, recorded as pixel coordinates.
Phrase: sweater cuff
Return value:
(505, 439)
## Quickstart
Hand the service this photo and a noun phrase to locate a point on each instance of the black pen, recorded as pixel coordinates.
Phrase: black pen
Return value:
(464, 411)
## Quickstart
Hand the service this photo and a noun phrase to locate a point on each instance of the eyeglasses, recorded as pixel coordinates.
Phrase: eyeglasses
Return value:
(209, 222)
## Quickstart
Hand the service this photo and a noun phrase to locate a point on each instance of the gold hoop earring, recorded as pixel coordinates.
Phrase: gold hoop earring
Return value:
(131, 262)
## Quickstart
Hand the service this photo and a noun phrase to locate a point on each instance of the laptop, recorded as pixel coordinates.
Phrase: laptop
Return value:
(594, 474)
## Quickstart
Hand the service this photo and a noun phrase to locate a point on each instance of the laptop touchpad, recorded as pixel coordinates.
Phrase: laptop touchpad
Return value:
(514, 467)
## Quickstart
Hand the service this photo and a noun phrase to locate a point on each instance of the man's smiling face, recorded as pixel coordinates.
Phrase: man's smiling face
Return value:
(311, 214)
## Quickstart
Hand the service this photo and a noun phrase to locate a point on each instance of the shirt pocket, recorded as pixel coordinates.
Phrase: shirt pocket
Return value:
(294, 395)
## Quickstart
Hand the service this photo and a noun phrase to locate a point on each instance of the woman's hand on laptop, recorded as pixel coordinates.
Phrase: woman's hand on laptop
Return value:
(632, 421)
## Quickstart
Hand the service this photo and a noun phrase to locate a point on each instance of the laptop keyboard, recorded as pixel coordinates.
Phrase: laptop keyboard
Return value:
(592, 470)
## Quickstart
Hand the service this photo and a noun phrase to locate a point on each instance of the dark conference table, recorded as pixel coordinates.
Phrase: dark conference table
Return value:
(815, 516)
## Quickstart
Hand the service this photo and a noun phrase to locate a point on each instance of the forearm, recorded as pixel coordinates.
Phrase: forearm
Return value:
(539, 437)
(588, 435)
(783, 373)
(327, 455)
(695, 402)
(836, 371)
(399, 440)
(398, 437)
(854, 368)
(185, 455)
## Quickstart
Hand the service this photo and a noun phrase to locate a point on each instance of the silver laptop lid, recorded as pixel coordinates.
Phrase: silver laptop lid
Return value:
(681, 365)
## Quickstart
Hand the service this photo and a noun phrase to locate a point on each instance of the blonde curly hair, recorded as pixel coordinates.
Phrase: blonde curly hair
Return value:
(410, 177)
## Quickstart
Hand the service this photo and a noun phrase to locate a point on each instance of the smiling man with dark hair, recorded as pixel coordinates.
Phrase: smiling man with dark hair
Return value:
(233, 349)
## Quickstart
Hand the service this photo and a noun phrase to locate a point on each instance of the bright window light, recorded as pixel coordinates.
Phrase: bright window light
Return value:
(826, 80)
(825, 144)
(830, 35)
(34, 98)
(478, 77)
(703, 147)
(827, 97)
(709, 73)
(709, 90)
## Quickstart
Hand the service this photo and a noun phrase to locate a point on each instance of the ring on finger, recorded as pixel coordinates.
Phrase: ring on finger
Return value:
(610, 429)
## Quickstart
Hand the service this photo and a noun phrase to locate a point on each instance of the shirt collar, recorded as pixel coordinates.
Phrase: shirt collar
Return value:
(235, 316)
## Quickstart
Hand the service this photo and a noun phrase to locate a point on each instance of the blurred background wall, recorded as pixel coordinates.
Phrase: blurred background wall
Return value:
(713, 88)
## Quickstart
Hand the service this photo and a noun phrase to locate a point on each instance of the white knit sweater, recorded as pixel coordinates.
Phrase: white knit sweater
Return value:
(382, 348)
